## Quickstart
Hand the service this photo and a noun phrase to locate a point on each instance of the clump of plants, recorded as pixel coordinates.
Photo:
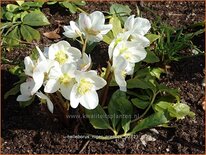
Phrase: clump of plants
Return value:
(62, 77)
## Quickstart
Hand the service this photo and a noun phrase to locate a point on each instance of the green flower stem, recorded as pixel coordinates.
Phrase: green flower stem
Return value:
(108, 77)
(145, 112)
(79, 9)
(84, 46)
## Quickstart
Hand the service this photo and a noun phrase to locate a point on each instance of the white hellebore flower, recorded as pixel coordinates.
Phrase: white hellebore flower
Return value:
(131, 52)
(41, 70)
(72, 31)
(45, 99)
(119, 68)
(25, 89)
(63, 53)
(84, 91)
(84, 63)
(61, 78)
(93, 27)
(120, 37)
(138, 27)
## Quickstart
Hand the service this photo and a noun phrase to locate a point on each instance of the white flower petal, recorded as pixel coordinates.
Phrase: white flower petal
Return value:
(128, 25)
(90, 100)
(66, 91)
(29, 65)
(74, 98)
(84, 21)
(51, 86)
(141, 40)
(49, 103)
(97, 18)
(23, 98)
(141, 26)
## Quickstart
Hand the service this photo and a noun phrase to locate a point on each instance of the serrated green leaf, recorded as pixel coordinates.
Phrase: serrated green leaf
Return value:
(152, 37)
(150, 121)
(11, 7)
(29, 33)
(151, 58)
(116, 25)
(98, 118)
(139, 103)
(35, 19)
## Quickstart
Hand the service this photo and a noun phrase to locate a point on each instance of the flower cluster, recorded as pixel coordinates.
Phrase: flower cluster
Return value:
(61, 68)
(91, 27)
(64, 69)
(128, 48)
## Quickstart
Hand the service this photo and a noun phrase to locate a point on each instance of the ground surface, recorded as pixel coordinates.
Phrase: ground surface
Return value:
(30, 130)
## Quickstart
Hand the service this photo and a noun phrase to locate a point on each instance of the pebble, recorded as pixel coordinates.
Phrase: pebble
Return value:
(146, 138)
(154, 130)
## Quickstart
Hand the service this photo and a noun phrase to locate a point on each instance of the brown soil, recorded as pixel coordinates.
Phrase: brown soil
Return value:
(33, 130)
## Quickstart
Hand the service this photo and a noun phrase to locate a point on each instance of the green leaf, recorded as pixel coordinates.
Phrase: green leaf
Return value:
(120, 9)
(142, 104)
(151, 58)
(72, 8)
(20, 2)
(180, 111)
(33, 4)
(35, 19)
(51, 3)
(162, 106)
(98, 118)
(112, 108)
(29, 33)
(150, 121)
(11, 7)
(120, 108)
(152, 37)
(9, 15)
(126, 110)
(12, 39)
(79, 2)
(108, 37)
(16, 70)
(23, 14)
(13, 91)
(116, 25)
(140, 83)
(157, 72)
(171, 91)
(26, 103)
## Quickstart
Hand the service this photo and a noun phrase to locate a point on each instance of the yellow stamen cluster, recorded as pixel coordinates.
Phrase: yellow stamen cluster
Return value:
(84, 86)
(61, 57)
(65, 79)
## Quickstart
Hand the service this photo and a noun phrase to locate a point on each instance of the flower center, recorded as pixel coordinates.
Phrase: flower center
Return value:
(122, 50)
(84, 86)
(92, 32)
(124, 73)
(65, 79)
(61, 57)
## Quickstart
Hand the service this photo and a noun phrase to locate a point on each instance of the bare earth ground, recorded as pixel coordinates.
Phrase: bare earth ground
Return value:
(32, 130)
